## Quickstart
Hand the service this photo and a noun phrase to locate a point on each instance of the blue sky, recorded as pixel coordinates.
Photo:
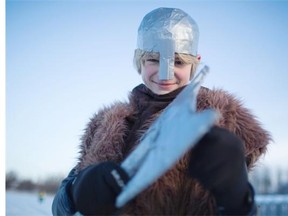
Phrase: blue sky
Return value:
(67, 59)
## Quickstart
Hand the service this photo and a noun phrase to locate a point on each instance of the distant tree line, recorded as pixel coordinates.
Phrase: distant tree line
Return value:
(265, 181)
(48, 185)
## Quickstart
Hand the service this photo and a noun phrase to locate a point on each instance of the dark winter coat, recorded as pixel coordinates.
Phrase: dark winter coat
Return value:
(115, 131)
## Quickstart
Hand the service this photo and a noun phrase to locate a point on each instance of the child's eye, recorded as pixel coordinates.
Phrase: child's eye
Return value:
(178, 62)
(153, 60)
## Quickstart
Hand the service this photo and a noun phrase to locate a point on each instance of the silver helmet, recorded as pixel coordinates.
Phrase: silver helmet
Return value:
(166, 31)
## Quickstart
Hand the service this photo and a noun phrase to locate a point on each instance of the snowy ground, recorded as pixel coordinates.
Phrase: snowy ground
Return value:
(27, 204)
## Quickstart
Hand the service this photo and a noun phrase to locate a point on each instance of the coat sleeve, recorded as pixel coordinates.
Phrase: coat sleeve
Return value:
(92, 144)
(237, 119)
(62, 203)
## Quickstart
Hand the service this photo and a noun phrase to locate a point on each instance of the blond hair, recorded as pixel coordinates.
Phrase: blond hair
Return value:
(140, 56)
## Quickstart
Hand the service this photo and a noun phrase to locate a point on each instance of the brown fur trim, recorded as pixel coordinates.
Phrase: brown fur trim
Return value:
(104, 136)
(174, 193)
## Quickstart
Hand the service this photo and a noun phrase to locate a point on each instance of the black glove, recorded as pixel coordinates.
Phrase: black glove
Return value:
(218, 162)
(95, 189)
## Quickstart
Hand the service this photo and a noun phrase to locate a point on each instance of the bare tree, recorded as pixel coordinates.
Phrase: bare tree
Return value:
(11, 180)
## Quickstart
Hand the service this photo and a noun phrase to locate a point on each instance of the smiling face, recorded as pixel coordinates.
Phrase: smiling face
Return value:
(150, 69)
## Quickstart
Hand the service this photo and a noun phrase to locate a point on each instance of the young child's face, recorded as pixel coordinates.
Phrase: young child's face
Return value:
(150, 69)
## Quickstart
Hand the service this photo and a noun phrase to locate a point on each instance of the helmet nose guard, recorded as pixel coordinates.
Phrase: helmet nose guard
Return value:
(168, 31)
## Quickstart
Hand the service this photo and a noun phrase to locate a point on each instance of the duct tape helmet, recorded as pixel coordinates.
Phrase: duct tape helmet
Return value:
(166, 31)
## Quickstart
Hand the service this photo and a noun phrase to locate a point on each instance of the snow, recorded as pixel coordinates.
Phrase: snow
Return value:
(24, 203)
(27, 204)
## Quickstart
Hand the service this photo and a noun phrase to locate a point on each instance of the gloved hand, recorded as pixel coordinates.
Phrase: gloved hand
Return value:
(218, 162)
(95, 189)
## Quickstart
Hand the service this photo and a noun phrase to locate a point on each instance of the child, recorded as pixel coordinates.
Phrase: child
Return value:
(209, 179)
